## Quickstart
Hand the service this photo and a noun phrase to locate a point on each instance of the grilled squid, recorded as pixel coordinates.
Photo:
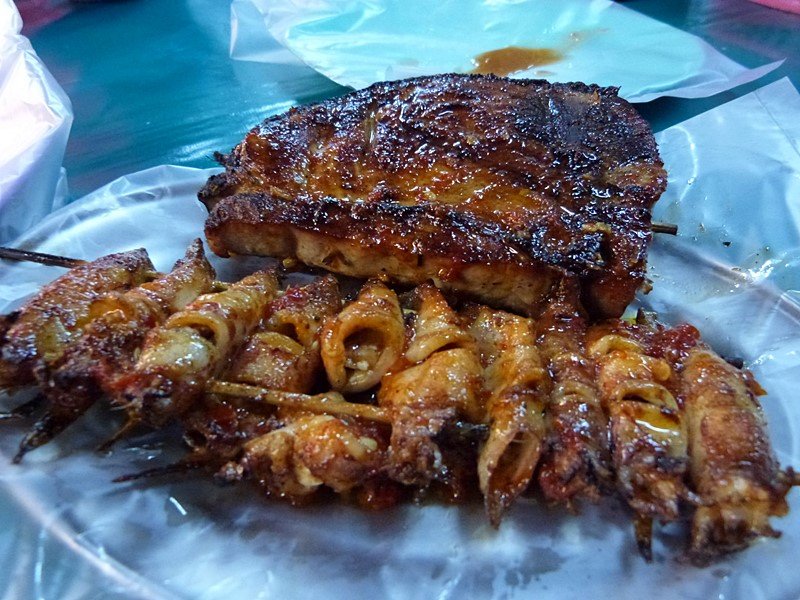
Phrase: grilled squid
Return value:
(576, 462)
(732, 466)
(99, 360)
(518, 386)
(422, 399)
(284, 354)
(194, 345)
(648, 434)
(37, 335)
(435, 326)
(309, 451)
(362, 342)
(302, 310)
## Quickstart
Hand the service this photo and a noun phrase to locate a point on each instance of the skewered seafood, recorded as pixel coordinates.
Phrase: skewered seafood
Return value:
(103, 355)
(421, 400)
(647, 431)
(732, 466)
(194, 344)
(435, 325)
(284, 353)
(437, 382)
(471, 398)
(311, 450)
(576, 460)
(35, 336)
(361, 343)
(519, 384)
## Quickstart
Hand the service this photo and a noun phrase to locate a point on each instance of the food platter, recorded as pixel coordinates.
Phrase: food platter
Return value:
(190, 538)
(70, 533)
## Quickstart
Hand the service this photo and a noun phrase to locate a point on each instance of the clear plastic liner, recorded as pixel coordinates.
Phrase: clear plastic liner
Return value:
(734, 177)
(247, 41)
(359, 42)
(35, 117)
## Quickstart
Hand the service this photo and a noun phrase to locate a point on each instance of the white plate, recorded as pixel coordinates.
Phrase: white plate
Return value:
(189, 538)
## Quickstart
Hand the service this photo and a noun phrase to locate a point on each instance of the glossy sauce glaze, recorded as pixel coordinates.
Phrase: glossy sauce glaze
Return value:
(451, 178)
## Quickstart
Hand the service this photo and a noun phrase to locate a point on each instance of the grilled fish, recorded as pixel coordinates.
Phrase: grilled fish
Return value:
(493, 187)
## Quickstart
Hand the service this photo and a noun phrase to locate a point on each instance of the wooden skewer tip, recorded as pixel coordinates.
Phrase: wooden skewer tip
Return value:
(40, 257)
(668, 228)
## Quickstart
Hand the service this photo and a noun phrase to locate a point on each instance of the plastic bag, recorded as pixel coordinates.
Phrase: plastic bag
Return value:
(359, 42)
(733, 178)
(35, 115)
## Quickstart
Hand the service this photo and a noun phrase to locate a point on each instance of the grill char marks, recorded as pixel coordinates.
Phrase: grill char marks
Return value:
(467, 180)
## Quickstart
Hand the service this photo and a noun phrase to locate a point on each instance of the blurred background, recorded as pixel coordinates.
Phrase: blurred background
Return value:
(151, 82)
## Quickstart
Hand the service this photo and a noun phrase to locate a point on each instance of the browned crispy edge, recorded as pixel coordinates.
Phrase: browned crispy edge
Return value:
(435, 242)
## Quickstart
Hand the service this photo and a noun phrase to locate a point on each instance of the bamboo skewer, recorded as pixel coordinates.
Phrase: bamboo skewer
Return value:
(24, 410)
(65, 261)
(668, 228)
(178, 467)
(52, 260)
(330, 403)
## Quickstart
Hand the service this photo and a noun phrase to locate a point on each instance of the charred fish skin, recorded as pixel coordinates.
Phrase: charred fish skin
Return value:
(516, 182)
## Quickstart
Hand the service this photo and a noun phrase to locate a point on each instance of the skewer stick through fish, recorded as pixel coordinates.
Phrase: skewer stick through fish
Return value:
(668, 228)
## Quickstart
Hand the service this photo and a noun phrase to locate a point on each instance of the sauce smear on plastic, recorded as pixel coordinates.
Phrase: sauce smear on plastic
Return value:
(512, 59)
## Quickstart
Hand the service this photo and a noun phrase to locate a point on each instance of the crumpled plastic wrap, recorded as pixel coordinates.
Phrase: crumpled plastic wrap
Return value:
(359, 42)
(248, 41)
(35, 117)
(733, 271)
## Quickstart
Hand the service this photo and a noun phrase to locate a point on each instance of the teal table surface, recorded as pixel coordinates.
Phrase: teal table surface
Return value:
(151, 83)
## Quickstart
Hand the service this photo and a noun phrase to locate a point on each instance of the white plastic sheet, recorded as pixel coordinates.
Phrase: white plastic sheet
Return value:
(359, 42)
(35, 118)
(734, 177)
(248, 41)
